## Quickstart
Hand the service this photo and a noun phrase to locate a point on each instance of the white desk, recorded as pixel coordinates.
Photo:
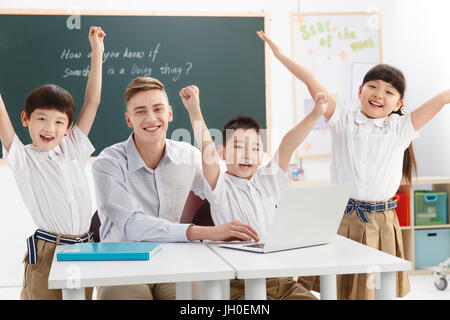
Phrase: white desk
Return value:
(342, 256)
(176, 262)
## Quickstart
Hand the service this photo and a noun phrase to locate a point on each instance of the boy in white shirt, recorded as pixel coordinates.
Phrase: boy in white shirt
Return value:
(50, 172)
(247, 191)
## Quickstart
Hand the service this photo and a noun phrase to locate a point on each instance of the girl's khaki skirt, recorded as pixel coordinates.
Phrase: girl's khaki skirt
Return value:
(383, 233)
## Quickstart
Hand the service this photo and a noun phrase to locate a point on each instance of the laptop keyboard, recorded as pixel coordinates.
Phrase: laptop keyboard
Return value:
(255, 245)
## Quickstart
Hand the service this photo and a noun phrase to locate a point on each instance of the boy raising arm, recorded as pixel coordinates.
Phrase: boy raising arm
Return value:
(50, 172)
(247, 192)
(94, 84)
(210, 158)
(92, 95)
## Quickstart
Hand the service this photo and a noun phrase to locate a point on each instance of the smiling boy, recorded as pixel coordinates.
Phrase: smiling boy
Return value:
(247, 191)
(50, 171)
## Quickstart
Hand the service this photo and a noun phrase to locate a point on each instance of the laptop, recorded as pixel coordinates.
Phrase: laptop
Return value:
(305, 216)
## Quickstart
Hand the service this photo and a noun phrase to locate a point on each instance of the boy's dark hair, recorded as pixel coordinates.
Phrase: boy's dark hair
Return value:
(239, 122)
(396, 78)
(50, 97)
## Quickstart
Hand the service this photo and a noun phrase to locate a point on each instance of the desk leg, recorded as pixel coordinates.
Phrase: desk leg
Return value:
(183, 290)
(255, 289)
(388, 288)
(211, 290)
(73, 294)
(225, 286)
(328, 288)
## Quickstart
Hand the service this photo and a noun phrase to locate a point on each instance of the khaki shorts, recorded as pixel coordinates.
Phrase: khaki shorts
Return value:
(35, 279)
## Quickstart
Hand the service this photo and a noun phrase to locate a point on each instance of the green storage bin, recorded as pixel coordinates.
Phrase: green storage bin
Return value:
(430, 208)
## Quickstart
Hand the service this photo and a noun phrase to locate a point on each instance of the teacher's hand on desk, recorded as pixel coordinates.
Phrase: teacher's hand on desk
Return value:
(235, 230)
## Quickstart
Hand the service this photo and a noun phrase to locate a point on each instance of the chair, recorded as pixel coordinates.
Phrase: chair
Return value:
(196, 211)
(95, 227)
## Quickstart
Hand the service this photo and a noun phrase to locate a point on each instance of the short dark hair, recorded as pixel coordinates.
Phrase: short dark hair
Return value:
(239, 122)
(50, 97)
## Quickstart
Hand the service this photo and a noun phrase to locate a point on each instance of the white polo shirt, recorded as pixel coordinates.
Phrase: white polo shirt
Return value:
(249, 201)
(369, 152)
(53, 184)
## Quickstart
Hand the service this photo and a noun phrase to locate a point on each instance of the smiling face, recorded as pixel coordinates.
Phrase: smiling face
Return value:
(243, 153)
(149, 114)
(379, 99)
(47, 127)
(382, 91)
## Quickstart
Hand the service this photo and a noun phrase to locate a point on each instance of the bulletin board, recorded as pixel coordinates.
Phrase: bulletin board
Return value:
(339, 48)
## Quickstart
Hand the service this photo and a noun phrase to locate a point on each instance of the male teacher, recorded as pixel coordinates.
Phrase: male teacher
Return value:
(142, 184)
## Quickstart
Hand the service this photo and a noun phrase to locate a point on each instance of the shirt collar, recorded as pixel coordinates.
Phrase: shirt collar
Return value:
(169, 151)
(56, 151)
(135, 161)
(50, 154)
(239, 182)
(361, 119)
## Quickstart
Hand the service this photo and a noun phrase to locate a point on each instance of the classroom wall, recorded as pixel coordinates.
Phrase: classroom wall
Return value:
(415, 39)
(421, 48)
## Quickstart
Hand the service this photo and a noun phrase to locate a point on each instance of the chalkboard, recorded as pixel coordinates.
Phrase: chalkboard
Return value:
(222, 55)
(339, 48)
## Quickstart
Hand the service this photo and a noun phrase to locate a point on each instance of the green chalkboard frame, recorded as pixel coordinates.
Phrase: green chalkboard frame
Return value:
(261, 108)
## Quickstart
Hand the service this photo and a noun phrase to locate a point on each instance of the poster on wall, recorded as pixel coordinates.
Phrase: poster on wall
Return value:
(339, 48)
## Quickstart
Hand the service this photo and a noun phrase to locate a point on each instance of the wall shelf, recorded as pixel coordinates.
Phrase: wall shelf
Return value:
(437, 226)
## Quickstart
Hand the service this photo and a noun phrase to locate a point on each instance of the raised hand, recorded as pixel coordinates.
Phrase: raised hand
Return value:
(96, 36)
(273, 46)
(6, 128)
(190, 98)
(94, 84)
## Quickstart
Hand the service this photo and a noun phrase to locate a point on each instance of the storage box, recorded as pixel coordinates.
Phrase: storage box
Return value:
(430, 208)
(402, 208)
(432, 246)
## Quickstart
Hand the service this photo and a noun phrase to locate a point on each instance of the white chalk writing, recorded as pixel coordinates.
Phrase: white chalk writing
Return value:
(146, 63)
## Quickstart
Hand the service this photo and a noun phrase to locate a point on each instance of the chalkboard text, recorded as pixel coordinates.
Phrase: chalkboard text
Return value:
(146, 63)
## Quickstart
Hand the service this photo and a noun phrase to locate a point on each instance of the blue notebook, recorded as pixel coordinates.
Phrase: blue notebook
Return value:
(102, 251)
